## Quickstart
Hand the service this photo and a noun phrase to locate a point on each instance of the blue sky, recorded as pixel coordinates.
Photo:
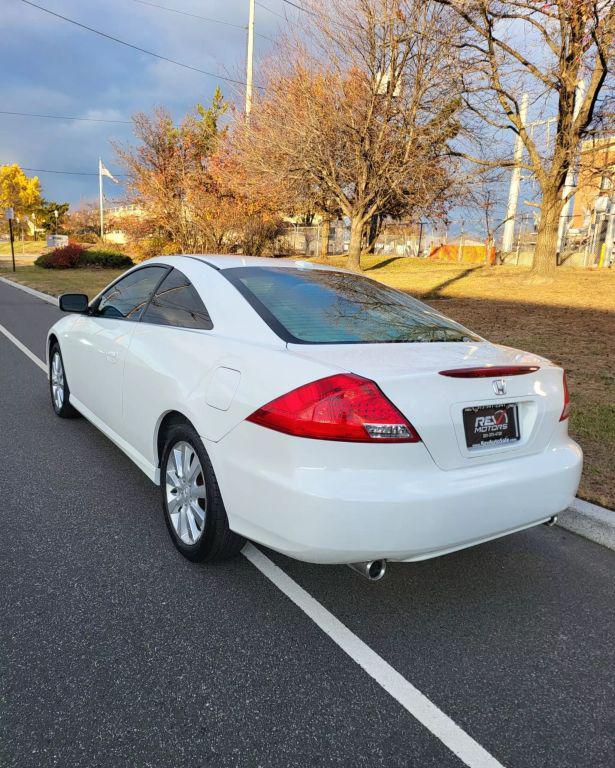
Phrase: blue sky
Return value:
(52, 67)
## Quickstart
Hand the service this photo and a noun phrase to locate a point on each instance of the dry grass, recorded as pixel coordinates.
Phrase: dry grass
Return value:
(58, 281)
(570, 320)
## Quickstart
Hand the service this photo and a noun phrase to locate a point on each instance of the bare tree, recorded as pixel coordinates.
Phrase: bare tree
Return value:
(357, 114)
(558, 52)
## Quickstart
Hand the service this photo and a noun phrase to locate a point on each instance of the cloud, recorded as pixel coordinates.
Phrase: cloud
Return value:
(52, 67)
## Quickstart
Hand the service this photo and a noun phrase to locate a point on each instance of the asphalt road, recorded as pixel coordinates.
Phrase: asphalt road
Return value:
(115, 651)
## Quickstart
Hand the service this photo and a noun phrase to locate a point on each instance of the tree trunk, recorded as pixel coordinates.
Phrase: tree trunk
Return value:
(374, 231)
(545, 255)
(356, 241)
(325, 231)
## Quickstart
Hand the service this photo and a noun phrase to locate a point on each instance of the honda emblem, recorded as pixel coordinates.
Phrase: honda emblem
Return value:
(499, 386)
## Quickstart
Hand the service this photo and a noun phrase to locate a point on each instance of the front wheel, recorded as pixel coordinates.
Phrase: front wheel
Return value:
(58, 386)
(191, 500)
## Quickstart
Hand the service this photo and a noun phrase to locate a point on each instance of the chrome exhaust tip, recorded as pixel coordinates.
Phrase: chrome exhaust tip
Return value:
(372, 570)
(551, 521)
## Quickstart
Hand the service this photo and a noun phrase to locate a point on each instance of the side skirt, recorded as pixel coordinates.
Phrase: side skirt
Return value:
(144, 465)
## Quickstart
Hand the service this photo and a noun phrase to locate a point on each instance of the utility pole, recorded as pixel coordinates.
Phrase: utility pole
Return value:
(515, 184)
(250, 59)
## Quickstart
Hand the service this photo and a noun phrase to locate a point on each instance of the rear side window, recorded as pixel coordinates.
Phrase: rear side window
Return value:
(311, 306)
(126, 299)
(177, 303)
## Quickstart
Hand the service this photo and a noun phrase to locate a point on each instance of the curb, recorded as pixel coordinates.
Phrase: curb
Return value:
(33, 292)
(583, 518)
(590, 521)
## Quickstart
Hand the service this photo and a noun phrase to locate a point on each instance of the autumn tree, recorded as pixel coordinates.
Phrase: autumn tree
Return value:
(49, 215)
(357, 113)
(18, 191)
(560, 53)
(168, 176)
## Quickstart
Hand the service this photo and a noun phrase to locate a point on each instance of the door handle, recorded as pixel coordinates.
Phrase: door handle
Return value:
(111, 357)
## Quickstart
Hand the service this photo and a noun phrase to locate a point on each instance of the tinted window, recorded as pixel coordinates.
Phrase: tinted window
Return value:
(326, 307)
(127, 298)
(176, 302)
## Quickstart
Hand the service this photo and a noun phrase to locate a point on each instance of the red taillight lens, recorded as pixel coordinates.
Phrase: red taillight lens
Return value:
(490, 370)
(566, 408)
(341, 407)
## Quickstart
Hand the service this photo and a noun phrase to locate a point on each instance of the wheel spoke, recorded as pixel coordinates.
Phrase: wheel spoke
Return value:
(197, 492)
(173, 502)
(197, 513)
(194, 529)
(195, 469)
(187, 454)
(172, 479)
(177, 461)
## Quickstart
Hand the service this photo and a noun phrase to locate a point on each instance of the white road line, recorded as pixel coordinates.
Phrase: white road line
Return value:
(417, 704)
(23, 348)
(32, 291)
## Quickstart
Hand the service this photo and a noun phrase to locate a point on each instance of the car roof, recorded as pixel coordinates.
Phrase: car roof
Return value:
(221, 261)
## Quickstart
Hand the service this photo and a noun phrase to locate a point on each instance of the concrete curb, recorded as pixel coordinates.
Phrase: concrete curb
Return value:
(33, 292)
(588, 520)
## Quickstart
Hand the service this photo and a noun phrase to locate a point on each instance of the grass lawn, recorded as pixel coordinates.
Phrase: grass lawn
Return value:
(28, 246)
(570, 320)
(57, 281)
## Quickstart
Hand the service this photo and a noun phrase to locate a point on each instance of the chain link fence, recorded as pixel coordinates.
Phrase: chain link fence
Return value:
(590, 243)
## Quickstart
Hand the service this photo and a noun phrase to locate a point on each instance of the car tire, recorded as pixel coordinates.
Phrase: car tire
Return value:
(58, 386)
(191, 500)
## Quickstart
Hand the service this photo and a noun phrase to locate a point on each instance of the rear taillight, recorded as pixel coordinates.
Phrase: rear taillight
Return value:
(566, 408)
(341, 407)
(490, 370)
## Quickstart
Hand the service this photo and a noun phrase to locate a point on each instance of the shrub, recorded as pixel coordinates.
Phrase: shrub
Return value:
(105, 259)
(61, 258)
(74, 256)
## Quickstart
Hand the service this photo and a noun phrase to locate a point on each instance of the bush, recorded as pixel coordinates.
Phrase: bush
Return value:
(105, 259)
(61, 258)
(74, 256)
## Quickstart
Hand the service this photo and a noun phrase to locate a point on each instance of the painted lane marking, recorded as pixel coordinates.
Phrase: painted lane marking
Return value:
(36, 360)
(411, 699)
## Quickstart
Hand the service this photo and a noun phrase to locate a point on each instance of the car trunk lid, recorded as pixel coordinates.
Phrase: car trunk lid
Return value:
(410, 376)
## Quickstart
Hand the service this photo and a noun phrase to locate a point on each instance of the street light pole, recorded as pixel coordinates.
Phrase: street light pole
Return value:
(250, 59)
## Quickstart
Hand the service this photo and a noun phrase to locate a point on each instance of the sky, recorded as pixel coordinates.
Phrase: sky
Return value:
(52, 67)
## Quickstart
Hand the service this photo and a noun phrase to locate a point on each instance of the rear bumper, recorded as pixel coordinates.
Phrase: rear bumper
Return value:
(298, 497)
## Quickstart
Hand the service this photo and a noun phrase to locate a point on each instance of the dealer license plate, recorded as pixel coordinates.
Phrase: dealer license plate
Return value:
(491, 425)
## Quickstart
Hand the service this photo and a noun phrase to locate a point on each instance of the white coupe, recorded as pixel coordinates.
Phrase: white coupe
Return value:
(314, 411)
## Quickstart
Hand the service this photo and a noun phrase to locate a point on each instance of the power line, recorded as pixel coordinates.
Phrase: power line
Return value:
(130, 45)
(66, 173)
(201, 18)
(300, 8)
(275, 13)
(66, 117)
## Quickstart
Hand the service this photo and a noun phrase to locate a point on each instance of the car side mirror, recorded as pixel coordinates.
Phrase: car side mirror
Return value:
(74, 302)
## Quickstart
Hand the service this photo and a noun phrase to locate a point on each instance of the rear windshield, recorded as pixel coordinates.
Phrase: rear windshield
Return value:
(312, 306)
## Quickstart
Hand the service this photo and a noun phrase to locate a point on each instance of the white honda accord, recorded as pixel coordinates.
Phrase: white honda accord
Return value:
(314, 411)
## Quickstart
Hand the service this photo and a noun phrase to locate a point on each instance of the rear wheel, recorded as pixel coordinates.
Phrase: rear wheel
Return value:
(193, 507)
(58, 386)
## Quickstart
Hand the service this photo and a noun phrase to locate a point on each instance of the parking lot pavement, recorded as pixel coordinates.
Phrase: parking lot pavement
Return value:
(115, 651)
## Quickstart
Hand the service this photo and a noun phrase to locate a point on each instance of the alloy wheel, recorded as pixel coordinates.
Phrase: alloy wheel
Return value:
(186, 492)
(57, 381)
